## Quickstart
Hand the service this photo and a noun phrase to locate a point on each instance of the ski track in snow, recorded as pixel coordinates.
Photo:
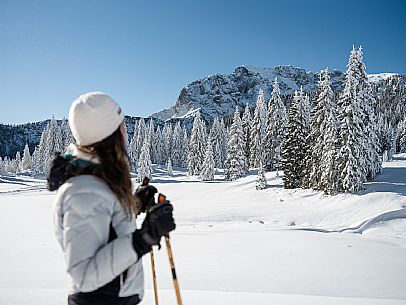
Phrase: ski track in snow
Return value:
(28, 189)
(365, 225)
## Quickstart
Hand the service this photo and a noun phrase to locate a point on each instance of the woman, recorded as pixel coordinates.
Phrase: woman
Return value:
(94, 213)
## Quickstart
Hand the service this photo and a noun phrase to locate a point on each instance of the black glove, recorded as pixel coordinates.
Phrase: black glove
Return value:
(158, 222)
(146, 194)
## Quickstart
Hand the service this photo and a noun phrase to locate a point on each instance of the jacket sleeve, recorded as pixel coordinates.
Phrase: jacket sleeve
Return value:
(89, 260)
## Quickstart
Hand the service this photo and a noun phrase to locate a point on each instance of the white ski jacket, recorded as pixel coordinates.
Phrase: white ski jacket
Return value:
(84, 208)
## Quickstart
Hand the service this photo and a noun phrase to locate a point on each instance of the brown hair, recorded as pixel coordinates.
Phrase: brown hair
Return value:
(114, 169)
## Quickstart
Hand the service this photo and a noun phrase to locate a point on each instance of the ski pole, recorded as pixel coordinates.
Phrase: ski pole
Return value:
(154, 276)
(172, 264)
(161, 199)
(145, 183)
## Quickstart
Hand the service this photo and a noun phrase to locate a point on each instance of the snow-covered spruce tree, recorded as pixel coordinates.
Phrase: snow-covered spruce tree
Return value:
(3, 166)
(55, 141)
(261, 179)
(177, 147)
(387, 137)
(185, 149)
(11, 166)
(18, 164)
(368, 104)
(223, 134)
(401, 136)
(246, 129)
(150, 131)
(67, 136)
(323, 171)
(197, 146)
(26, 161)
(141, 135)
(35, 165)
(307, 107)
(295, 147)
(132, 150)
(219, 142)
(275, 133)
(41, 151)
(306, 110)
(235, 162)
(258, 131)
(208, 168)
(321, 106)
(169, 169)
(214, 135)
(351, 161)
(53, 144)
(144, 166)
(157, 147)
(167, 141)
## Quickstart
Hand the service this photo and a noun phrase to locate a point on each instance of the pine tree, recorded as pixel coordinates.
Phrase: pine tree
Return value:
(144, 166)
(306, 117)
(401, 136)
(6, 165)
(261, 179)
(351, 161)
(132, 149)
(208, 168)
(368, 103)
(275, 134)
(215, 141)
(295, 147)
(235, 162)
(167, 141)
(177, 147)
(223, 142)
(41, 158)
(67, 137)
(258, 131)
(141, 135)
(26, 162)
(219, 143)
(158, 147)
(197, 146)
(169, 168)
(18, 164)
(35, 161)
(11, 167)
(53, 143)
(307, 107)
(323, 135)
(185, 149)
(150, 131)
(246, 129)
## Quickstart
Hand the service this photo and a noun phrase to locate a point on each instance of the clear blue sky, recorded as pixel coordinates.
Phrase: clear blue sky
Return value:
(143, 52)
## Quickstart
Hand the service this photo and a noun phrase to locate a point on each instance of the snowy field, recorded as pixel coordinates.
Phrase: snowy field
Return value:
(234, 245)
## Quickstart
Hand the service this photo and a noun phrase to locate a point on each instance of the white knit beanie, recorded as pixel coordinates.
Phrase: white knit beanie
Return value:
(93, 117)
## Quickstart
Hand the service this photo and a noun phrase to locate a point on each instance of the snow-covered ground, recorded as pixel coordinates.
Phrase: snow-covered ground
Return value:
(234, 245)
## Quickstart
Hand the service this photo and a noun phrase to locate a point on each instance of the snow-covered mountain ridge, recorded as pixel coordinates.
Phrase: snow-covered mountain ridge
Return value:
(217, 95)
